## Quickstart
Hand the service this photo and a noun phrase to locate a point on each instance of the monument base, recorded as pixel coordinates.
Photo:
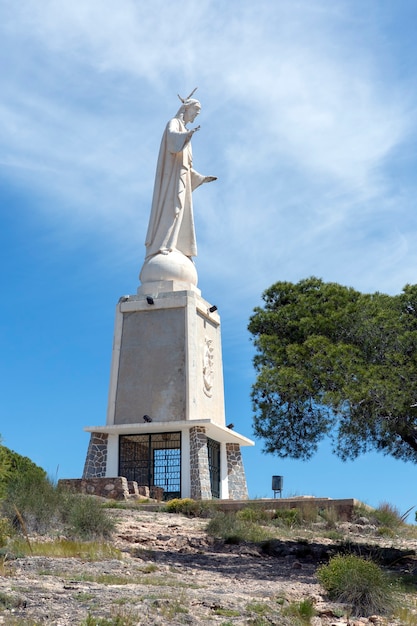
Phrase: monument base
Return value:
(200, 467)
(166, 422)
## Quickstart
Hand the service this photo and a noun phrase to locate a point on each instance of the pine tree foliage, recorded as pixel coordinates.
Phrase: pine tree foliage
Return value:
(334, 362)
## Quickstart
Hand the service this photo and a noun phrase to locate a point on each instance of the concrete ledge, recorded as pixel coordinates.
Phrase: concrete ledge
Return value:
(343, 507)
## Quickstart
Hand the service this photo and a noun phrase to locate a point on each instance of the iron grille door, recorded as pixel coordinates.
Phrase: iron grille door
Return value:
(213, 449)
(152, 460)
(167, 471)
(134, 459)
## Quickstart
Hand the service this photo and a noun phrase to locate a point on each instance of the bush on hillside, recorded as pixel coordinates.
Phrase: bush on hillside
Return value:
(187, 506)
(388, 516)
(85, 517)
(190, 507)
(13, 467)
(18, 464)
(34, 498)
(36, 505)
(385, 516)
(254, 514)
(4, 470)
(6, 531)
(287, 517)
(360, 583)
(23, 485)
(32, 503)
(232, 529)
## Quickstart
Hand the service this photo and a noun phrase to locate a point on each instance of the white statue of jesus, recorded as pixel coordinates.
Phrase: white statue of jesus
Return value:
(171, 223)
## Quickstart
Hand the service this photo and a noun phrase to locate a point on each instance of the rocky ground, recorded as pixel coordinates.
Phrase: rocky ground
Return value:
(172, 572)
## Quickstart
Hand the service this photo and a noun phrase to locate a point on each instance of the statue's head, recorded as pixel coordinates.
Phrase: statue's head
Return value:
(190, 107)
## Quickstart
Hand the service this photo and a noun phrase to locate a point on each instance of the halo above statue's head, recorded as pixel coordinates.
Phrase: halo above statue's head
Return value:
(187, 102)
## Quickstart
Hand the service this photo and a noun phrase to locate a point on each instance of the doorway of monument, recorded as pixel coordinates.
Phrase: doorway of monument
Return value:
(213, 450)
(152, 460)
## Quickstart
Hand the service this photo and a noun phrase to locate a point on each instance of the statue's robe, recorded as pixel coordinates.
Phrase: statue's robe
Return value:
(171, 223)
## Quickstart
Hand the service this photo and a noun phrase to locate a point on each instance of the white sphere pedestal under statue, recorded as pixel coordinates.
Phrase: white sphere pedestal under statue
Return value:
(168, 272)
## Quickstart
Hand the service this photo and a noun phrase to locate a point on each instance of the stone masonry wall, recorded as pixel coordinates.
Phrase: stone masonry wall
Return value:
(96, 460)
(199, 465)
(115, 488)
(238, 489)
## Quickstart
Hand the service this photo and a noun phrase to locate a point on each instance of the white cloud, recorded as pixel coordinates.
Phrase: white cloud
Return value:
(299, 122)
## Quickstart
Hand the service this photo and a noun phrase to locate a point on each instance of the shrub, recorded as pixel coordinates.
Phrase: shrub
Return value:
(229, 527)
(187, 506)
(18, 464)
(25, 487)
(223, 526)
(303, 610)
(34, 504)
(309, 512)
(6, 531)
(388, 516)
(86, 517)
(287, 517)
(306, 609)
(4, 469)
(254, 514)
(190, 507)
(385, 515)
(330, 516)
(35, 498)
(360, 583)
(8, 601)
(119, 619)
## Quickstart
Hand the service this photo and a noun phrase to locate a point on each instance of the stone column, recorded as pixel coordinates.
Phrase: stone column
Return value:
(238, 489)
(199, 466)
(96, 461)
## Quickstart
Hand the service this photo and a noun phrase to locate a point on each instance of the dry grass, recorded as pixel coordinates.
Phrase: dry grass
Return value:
(407, 614)
(65, 548)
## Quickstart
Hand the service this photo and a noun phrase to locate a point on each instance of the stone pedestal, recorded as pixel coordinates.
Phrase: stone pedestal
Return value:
(167, 361)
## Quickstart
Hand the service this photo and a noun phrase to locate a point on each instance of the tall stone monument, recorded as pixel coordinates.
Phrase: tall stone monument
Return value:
(166, 428)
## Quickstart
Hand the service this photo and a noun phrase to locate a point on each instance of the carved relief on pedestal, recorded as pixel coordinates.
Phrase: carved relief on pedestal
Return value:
(208, 370)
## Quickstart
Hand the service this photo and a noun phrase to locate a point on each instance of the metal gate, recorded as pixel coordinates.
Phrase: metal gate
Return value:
(152, 460)
(213, 449)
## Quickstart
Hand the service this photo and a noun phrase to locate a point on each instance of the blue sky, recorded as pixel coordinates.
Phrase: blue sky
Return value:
(309, 120)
